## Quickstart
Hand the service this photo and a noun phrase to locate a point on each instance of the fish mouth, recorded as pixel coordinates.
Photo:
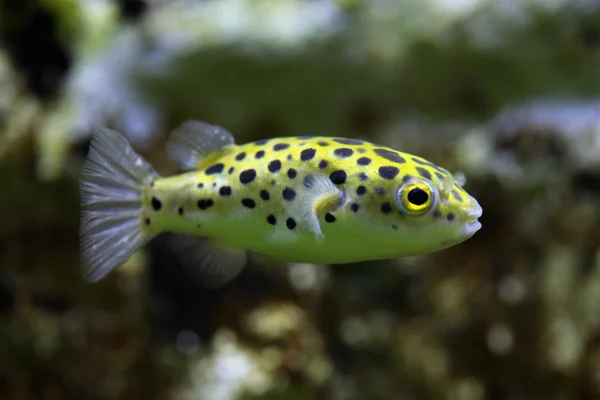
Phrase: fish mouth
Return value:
(472, 219)
(474, 215)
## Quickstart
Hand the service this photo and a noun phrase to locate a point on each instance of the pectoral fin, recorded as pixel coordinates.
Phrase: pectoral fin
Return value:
(319, 197)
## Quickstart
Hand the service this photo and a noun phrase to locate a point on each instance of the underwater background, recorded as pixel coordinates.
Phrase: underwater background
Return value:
(507, 92)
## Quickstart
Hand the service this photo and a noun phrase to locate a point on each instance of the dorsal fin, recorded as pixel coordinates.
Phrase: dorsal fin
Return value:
(193, 141)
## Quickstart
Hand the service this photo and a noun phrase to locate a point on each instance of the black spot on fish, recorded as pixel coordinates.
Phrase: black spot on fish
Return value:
(388, 172)
(156, 204)
(363, 177)
(424, 173)
(437, 214)
(247, 176)
(379, 190)
(231, 170)
(363, 161)
(450, 217)
(390, 155)
(354, 207)
(290, 223)
(329, 217)
(274, 166)
(430, 165)
(180, 210)
(386, 208)
(338, 177)
(439, 175)
(271, 219)
(348, 141)
(343, 152)
(457, 196)
(406, 178)
(148, 221)
(260, 142)
(290, 157)
(215, 169)
(240, 156)
(420, 161)
(200, 185)
(307, 154)
(289, 194)
(322, 143)
(264, 195)
(248, 203)
(323, 164)
(203, 204)
(361, 190)
(259, 154)
(280, 146)
(439, 169)
(291, 173)
(225, 191)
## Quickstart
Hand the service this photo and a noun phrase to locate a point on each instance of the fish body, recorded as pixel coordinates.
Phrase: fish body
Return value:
(298, 199)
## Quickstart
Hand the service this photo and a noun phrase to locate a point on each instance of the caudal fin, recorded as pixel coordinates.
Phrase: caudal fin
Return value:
(112, 184)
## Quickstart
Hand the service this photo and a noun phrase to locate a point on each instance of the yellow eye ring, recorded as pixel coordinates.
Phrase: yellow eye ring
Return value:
(416, 198)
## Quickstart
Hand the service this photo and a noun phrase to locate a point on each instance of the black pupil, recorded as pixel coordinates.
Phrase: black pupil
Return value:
(418, 197)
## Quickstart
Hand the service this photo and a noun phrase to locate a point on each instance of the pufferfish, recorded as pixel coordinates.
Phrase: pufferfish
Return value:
(322, 200)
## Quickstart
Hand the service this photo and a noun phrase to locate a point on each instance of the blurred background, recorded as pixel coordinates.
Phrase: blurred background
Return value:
(505, 91)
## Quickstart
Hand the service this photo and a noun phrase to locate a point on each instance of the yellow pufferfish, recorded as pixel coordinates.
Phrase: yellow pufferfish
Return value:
(303, 199)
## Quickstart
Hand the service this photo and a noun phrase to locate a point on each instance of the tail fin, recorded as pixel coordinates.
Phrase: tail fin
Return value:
(112, 184)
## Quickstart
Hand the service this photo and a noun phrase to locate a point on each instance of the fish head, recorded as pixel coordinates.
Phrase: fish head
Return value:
(435, 213)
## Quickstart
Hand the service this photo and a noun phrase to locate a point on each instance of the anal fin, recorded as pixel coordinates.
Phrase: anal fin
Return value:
(210, 264)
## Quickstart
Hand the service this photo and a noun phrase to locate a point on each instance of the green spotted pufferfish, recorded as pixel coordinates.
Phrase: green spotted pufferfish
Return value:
(303, 199)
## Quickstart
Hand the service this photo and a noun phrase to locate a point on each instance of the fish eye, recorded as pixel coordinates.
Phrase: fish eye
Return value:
(416, 198)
